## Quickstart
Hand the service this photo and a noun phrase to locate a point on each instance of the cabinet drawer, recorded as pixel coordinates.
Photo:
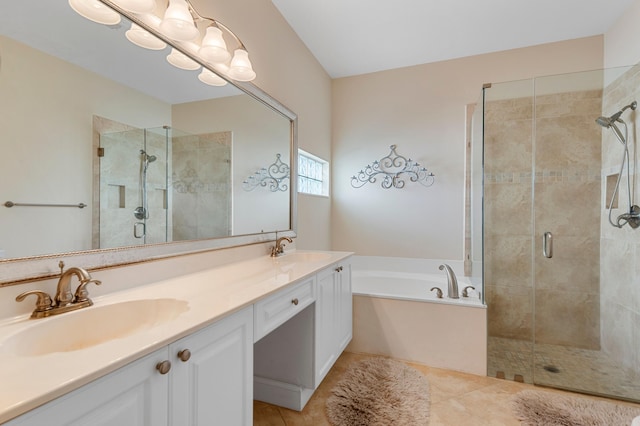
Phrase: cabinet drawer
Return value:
(273, 311)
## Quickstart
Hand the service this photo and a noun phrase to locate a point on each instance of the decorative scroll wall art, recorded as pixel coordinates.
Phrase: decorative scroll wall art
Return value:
(393, 170)
(275, 177)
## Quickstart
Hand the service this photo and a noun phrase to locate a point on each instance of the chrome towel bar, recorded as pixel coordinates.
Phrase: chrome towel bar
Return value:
(12, 204)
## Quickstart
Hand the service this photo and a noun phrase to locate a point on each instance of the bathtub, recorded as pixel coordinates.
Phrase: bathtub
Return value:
(395, 314)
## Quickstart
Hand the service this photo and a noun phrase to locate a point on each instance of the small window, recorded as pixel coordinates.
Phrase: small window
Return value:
(313, 174)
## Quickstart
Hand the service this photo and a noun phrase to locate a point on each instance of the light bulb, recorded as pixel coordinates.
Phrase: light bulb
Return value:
(214, 49)
(143, 38)
(178, 22)
(182, 61)
(95, 11)
(137, 6)
(240, 68)
(211, 78)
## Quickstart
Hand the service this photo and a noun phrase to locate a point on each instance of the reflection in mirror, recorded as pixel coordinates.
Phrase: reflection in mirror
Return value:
(159, 156)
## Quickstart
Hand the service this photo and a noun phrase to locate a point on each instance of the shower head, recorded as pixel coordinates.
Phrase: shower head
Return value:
(610, 122)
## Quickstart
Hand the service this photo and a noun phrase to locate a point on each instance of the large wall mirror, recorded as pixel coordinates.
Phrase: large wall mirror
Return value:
(111, 155)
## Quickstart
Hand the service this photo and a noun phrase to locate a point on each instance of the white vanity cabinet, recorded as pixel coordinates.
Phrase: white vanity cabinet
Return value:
(333, 324)
(211, 378)
(134, 395)
(212, 386)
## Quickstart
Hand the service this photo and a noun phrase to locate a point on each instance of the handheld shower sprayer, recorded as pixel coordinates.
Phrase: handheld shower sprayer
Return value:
(632, 217)
(610, 122)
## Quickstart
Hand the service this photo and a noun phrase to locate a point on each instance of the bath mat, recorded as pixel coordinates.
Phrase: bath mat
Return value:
(380, 392)
(535, 408)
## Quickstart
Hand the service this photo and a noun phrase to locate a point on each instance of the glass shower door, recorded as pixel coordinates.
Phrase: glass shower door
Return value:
(576, 320)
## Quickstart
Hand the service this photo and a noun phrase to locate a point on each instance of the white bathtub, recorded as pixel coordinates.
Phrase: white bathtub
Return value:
(395, 314)
(411, 286)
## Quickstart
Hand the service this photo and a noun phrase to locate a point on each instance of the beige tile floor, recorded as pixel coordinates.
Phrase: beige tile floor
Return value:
(457, 399)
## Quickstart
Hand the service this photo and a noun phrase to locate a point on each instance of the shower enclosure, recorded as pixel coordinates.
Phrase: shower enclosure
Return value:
(162, 184)
(562, 285)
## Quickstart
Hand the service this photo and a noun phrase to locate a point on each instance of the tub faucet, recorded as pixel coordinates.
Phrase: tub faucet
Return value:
(452, 282)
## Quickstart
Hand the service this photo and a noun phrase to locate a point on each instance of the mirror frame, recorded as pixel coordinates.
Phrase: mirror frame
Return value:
(24, 269)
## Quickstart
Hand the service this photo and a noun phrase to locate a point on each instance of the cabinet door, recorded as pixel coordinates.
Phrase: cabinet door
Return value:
(135, 395)
(214, 386)
(345, 300)
(327, 311)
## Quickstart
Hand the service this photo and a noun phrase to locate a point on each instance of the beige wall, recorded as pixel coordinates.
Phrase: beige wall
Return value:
(288, 72)
(620, 41)
(422, 110)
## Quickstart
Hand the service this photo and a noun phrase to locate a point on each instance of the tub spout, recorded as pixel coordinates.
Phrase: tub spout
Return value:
(452, 282)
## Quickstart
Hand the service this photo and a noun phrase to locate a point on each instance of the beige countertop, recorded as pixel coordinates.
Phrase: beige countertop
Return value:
(29, 381)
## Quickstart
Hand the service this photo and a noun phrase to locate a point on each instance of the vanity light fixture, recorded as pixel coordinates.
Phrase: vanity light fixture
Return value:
(144, 38)
(137, 6)
(392, 169)
(182, 61)
(275, 177)
(181, 23)
(211, 78)
(178, 23)
(95, 11)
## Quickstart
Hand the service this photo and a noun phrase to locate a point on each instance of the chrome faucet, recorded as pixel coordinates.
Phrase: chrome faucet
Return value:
(64, 300)
(452, 282)
(278, 249)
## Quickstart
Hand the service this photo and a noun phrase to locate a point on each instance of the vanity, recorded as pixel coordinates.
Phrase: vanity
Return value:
(193, 319)
(266, 328)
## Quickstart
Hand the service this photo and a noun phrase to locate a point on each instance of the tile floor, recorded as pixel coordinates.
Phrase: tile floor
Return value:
(580, 369)
(457, 399)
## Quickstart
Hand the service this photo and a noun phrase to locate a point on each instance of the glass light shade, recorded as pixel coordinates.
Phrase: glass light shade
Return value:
(182, 61)
(214, 49)
(144, 38)
(178, 22)
(211, 78)
(95, 11)
(240, 68)
(137, 6)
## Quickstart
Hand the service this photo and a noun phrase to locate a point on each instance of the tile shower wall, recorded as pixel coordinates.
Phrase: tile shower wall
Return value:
(620, 251)
(201, 186)
(567, 187)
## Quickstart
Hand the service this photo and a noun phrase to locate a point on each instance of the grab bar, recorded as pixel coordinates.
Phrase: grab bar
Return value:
(547, 245)
(12, 204)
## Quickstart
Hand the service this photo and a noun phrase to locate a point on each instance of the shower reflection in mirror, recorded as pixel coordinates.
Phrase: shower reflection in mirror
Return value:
(632, 215)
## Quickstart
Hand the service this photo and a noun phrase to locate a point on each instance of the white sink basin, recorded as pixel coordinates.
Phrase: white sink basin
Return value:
(304, 257)
(91, 326)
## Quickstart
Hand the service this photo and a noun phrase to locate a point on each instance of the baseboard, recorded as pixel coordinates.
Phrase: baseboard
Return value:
(281, 394)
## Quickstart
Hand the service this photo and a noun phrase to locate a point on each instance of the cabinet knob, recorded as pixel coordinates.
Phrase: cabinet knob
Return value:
(184, 355)
(295, 301)
(163, 367)
(339, 269)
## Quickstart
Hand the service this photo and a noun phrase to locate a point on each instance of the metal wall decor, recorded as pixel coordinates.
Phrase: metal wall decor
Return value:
(393, 170)
(275, 177)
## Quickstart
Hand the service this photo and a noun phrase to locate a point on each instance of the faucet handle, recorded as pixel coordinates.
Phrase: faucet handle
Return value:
(44, 302)
(438, 292)
(82, 294)
(465, 292)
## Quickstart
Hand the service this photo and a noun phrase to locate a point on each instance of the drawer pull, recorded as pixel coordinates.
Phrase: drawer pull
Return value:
(163, 367)
(295, 301)
(184, 355)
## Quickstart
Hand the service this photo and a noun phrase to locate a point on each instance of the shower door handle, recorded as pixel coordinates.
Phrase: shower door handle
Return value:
(139, 225)
(547, 245)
